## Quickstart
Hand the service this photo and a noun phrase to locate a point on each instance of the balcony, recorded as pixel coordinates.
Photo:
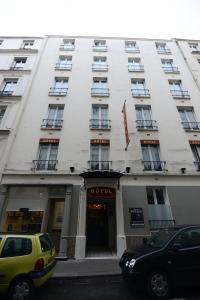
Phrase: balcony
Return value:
(164, 51)
(135, 68)
(100, 48)
(16, 68)
(161, 224)
(45, 164)
(179, 94)
(133, 49)
(195, 51)
(95, 165)
(155, 165)
(100, 92)
(191, 126)
(58, 91)
(171, 69)
(100, 124)
(140, 93)
(146, 125)
(6, 93)
(99, 67)
(63, 66)
(66, 47)
(197, 164)
(51, 124)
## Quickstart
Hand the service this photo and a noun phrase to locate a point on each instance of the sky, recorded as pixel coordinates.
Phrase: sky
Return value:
(114, 18)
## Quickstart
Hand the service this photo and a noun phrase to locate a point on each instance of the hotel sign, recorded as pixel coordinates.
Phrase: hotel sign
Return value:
(100, 142)
(193, 142)
(101, 192)
(49, 141)
(150, 142)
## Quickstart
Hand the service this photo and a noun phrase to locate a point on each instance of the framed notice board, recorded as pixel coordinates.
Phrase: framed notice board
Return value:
(137, 217)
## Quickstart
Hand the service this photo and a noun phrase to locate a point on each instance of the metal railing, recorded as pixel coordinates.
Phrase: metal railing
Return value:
(100, 124)
(44, 164)
(180, 94)
(63, 66)
(197, 164)
(170, 69)
(58, 91)
(51, 123)
(135, 68)
(100, 48)
(97, 165)
(16, 68)
(99, 67)
(195, 51)
(146, 124)
(155, 165)
(164, 51)
(6, 93)
(161, 224)
(100, 92)
(192, 126)
(132, 49)
(140, 92)
(67, 47)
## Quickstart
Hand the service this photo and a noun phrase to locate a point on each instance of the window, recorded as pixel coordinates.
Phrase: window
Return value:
(47, 156)
(2, 112)
(151, 158)
(100, 117)
(162, 48)
(176, 89)
(194, 47)
(68, 45)
(155, 196)
(60, 87)
(1, 42)
(27, 44)
(188, 118)
(134, 65)
(138, 88)
(16, 247)
(196, 153)
(188, 238)
(130, 46)
(168, 66)
(100, 87)
(100, 63)
(8, 87)
(64, 63)
(100, 45)
(144, 120)
(18, 63)
(55, 117)
(46, 243)
(99, 155)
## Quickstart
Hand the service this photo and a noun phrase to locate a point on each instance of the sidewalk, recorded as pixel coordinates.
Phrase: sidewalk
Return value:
(87, 267)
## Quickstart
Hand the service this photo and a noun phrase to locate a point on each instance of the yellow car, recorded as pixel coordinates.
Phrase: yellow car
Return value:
(26, 261)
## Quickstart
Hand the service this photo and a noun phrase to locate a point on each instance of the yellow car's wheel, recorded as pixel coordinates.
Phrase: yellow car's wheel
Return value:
(21, 289)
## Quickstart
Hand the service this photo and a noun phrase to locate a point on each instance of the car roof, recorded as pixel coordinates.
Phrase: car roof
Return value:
(19, 234)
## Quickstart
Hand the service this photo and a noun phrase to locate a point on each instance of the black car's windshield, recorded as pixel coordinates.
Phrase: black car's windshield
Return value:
(158, 240)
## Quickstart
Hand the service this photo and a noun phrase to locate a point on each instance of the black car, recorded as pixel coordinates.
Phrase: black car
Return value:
(170, 258)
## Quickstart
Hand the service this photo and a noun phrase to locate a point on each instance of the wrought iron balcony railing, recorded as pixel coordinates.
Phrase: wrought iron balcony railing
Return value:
(161, 224)
(16, 68)
(44, 164)
(100, 124)
(140, 92)
(6, 93)
(99, 67)
(67, 47)
(195, 51)
(97, 165)
(51, 124)
(164, 51)
(197, 164)
(146, 125)
(103, 92)
(58, 91)
(135, 68)
(180, 94)
(63, 66)
(191, 126)
(132, 49)
(100, 48)
(171, 69)
(155, 165)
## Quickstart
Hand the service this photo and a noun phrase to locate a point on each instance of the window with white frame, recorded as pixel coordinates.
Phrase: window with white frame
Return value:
(100, 87)
(47, 156)
(28, 44)
(138, 88)
(155, 196)
(162, 48)
(168, 66)
(177, 90)
(68, 44)
(100, 63)
(151, 158)
(144, 118)
(64, 63)
(188, 118)
(196, 153)
(99, 117)
(100, 45)
(2, 112)
(131, 46)
(8, 87)
(19, 63)
(134, 64)
(60, 86)
(194, 47)
(99, 155)
(55, 117)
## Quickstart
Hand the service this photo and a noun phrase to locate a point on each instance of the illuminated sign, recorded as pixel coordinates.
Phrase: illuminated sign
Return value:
(125, 126)
(150, 142)
(100, 141)
(49, 141)
(101, 192)
(193, 142)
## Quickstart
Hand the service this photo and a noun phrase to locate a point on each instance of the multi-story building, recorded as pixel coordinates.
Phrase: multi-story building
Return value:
(104, 145)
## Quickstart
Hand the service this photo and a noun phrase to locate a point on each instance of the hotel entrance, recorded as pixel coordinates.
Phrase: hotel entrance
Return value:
(101, 222)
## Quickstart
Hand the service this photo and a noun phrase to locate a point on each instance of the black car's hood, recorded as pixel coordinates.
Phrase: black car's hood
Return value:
(140, 251)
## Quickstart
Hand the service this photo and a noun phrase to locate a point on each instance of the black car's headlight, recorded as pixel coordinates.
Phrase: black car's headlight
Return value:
(132, 263)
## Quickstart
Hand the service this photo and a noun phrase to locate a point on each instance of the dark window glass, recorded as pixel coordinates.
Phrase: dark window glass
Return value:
(150, 196)
(16, 247)
(46, 243)
(189, 238)
(160, 196)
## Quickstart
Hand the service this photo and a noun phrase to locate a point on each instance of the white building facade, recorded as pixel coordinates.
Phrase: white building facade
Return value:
(100, 139)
